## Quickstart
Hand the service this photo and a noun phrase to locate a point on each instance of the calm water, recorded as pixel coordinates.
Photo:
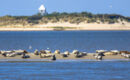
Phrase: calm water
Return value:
(65, 40)
(87, 41)
(105, 70)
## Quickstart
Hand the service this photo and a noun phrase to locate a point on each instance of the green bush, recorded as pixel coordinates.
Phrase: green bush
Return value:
(64, 17)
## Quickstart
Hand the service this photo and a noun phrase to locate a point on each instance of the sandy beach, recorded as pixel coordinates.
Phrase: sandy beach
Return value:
(66, 26)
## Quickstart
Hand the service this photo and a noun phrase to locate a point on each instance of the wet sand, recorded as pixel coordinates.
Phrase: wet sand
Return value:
(34, 58)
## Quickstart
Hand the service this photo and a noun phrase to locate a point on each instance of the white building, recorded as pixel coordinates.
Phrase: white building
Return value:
(42, 10)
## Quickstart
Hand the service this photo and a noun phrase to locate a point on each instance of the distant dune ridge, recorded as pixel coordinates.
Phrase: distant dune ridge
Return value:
(65, 21)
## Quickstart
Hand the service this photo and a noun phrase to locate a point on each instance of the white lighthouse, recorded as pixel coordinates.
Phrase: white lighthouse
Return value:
(42, 10)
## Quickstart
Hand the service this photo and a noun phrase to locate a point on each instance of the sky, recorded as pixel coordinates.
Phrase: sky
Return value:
(30, 7)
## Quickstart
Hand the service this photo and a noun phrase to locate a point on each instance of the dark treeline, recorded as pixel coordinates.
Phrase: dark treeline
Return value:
(64, 17)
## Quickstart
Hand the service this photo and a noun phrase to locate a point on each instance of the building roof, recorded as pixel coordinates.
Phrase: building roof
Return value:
(42, 7)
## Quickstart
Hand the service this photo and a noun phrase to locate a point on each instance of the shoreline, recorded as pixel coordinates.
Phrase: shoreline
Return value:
(61, 60)
(36, 58)
(51, 29)
(65, 26)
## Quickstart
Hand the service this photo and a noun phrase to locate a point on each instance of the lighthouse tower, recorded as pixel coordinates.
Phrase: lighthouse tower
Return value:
(42, 10)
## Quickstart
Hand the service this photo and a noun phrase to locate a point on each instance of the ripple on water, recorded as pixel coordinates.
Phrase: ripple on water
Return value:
(106, 70)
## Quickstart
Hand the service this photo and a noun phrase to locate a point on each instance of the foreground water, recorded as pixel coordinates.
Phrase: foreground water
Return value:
(104, 70)
(65, 40)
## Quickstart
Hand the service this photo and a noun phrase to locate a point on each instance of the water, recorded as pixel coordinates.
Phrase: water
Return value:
(104, 70)
(87, 41)
(65, 70)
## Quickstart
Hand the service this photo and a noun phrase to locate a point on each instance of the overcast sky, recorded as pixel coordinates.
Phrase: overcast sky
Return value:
(30, 7)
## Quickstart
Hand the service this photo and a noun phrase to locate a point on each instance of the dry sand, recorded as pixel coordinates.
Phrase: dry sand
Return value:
(67, 26)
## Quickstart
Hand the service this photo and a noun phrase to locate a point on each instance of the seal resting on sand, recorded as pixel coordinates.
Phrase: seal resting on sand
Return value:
(53, 58)
(75, 52)
(13, 53)
(126, 52)
(66, 54)
(98, 57)
(25, 56)
(45, 54)
(79, 54)
(57, 52)
(36, 52)
(125, 55)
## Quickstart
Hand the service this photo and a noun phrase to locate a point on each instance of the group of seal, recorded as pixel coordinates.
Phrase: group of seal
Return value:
(48, 54)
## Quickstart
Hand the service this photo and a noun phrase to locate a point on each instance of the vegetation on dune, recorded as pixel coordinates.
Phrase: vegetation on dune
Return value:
(64, 17)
